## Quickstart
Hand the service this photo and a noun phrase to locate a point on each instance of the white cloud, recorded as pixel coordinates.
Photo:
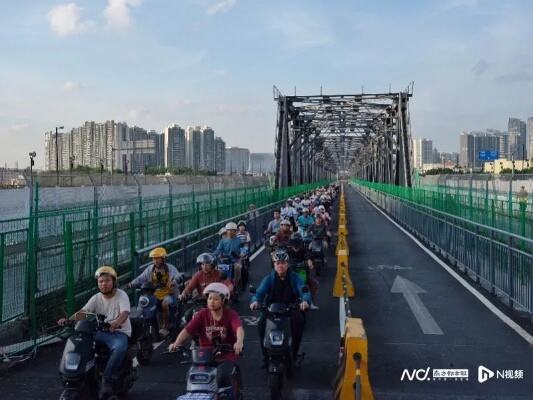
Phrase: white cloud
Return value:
(65, 20)
(117, 12)
(221, 7)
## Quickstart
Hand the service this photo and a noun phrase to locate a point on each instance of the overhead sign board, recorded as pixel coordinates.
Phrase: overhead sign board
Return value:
(488, 155)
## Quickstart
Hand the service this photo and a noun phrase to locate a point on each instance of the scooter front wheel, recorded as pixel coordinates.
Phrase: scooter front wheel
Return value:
(146, 349)
(69, 394)
(275, 384)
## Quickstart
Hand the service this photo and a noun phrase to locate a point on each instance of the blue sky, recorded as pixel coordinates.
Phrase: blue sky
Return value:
(155, 62)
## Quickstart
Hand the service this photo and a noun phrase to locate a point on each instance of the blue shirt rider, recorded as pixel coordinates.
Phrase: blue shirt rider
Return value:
(230, 247)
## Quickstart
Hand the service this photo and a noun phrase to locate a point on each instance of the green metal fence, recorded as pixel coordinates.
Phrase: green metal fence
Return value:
(497, 260)
(47, 261)
(502, 211)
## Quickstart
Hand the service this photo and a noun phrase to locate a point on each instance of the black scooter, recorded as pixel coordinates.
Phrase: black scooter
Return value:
(278, 345)
(316, 248)
(83, 360)
(203, 379)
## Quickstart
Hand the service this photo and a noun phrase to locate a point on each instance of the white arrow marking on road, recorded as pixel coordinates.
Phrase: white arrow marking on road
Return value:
(410, 292)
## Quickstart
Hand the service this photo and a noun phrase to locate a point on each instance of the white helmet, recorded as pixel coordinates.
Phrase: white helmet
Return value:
(222, 231)
(305, 210)
(285, 222)
(231, 226)
(321, 208)
(217, 287)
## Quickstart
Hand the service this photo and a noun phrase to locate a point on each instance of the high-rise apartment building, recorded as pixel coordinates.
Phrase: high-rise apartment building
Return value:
(422, 152)
(530, 137)
(175, 146)
(159, 143)
(103, 145)
(472, 143)
(517, 139)
(261, 163)
(194, 147)
(207, 153)
(237, 160)
(449, 160)
(220, 154)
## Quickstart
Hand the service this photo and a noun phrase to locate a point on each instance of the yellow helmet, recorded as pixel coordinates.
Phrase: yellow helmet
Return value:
(105, 270)
(158, 252)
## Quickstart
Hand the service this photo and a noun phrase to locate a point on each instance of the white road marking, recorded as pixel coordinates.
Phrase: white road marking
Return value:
(410, 292)
(504, 318)
(257, 252)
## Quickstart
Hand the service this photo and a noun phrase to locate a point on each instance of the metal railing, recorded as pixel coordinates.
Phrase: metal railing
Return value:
(46, 276)
(483, 199)
(183, 249)
(500, 261)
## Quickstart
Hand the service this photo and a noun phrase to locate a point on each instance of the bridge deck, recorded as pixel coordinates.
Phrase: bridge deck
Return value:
(471, 334)
(461, 331)
(165, 377)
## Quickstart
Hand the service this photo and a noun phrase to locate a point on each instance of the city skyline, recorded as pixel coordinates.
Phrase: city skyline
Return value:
(178, 61)
(114, 145)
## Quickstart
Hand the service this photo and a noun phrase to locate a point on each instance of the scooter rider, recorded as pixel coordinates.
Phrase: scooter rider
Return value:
(217, 320)
(282, 286)
(201, 279)
(284, 235)
(305, 220)
(243, 234)
(301, 263)
(319, 229)
(274, 225)
(230, 247)
(163, 276)
(288, 210)
(115, 305)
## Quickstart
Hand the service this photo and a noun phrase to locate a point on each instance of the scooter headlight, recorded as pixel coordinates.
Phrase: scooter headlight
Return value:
(276, 338)
(144, 301)
(72, 361)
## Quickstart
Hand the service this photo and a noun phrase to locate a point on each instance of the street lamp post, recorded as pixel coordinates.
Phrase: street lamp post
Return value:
(71, 167)
(57, 156)
(101, 170)
(32, 155)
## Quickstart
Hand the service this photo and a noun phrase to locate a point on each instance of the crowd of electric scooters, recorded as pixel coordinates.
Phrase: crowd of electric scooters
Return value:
(195, 314)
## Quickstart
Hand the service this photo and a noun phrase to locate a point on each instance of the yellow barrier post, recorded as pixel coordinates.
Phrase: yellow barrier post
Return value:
(342, 244)
(343, 283)
(355, 353)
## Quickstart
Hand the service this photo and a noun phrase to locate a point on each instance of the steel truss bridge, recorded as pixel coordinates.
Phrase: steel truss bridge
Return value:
(366, 135)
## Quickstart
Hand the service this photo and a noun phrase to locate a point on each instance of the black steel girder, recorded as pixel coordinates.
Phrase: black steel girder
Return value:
(366, 135)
